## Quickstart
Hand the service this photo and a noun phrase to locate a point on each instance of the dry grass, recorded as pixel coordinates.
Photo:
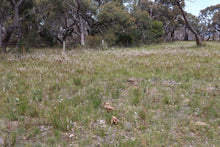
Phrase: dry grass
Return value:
(162, 95)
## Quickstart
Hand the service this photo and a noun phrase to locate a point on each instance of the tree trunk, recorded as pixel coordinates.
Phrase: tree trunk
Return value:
(138, 2)
(7, 38)
(213, 36)
(208, 38)
(1, 33)
(19, 36)
(13, 26)
(198, 41)
(151, 11)
(172, 35)
(166, 32)
(82, 34)
(186, 36)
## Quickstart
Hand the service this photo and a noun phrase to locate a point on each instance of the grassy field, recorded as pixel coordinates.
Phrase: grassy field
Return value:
(163, 95)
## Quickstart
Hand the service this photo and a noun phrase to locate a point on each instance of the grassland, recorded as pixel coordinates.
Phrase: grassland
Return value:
(163, 95)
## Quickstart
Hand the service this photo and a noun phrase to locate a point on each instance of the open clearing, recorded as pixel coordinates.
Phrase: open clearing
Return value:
(163, 95)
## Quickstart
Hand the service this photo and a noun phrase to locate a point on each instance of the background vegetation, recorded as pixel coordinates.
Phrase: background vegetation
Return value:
(101, 23)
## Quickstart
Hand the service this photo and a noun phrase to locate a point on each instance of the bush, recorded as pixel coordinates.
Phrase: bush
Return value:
(110, 39)
(93, 41)
(125, 40)
(157, 29)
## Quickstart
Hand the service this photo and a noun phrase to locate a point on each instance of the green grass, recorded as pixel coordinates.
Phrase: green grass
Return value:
(56, 99)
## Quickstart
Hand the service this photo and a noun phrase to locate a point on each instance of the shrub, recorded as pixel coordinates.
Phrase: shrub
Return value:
(93, 41)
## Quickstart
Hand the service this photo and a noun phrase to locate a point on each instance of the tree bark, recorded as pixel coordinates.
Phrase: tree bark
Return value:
(19, 36)
(166, 32)
(208, 38)
(82, 34)
(14, 24)
(186, 36)
(198, 41)
(1, 33)
(172, 35)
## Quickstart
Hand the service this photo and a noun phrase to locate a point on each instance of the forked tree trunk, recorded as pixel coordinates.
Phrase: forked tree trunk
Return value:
(198, 41)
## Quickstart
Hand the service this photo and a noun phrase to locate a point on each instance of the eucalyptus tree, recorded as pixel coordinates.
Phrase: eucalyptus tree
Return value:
(115, 24)
(4, 16)
(163, 12)
(9, 20)
(210, 18)
(216, 21)
(68, 18)
(195, 23)
(13, 12)
(147, 30)
(180, 4)
(82, 13)
(55, 22)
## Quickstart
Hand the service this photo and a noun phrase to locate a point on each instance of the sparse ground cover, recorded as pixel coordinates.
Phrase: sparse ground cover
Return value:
(163, 95)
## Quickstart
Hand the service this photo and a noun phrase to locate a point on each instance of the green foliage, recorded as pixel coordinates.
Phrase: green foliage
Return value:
(26, 6)
(209, 18)
(156, 29)
(125, 39)
(216, 20)
(110, 38)
(126, 29)
(117, 24)
(143, 22)
(93, 41)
